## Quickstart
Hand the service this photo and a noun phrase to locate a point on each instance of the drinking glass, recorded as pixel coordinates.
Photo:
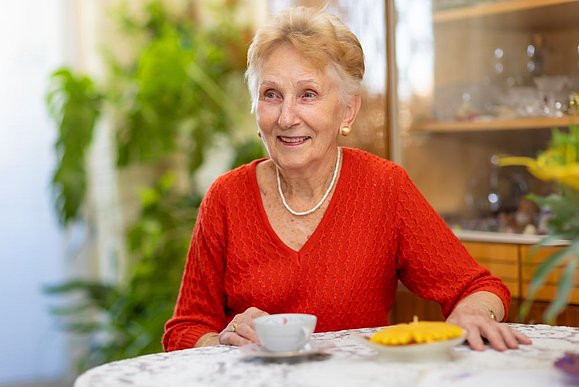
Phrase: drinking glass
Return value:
(551, 88)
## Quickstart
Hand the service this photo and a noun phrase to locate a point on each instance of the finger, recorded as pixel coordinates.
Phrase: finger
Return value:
(238, 340)
(522, 338)
(508, 336)
(231, 338)
(474, 339)
(226, 336)
(256, 312)
(247, 331)
(495, 337)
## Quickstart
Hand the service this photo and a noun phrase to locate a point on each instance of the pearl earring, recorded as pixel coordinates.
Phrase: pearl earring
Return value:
(258, 133)
(344, 131)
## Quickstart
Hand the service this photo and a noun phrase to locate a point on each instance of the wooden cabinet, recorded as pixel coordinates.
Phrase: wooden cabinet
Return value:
(523, 262)
(548, 291)
(501, 259)
(514, 264)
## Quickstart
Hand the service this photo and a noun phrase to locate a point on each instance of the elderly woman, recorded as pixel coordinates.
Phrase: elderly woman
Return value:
(317, 228)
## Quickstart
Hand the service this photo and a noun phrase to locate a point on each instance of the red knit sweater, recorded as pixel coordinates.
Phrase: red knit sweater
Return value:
(377, 229)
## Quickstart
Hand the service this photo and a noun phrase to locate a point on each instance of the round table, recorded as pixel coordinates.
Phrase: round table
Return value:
(348, 363)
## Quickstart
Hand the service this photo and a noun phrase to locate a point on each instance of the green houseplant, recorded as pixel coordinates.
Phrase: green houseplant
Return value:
(558, 163)
(181, 90)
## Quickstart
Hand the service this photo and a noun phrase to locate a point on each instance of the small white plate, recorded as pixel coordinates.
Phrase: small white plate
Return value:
(439, 350)
(311, 348)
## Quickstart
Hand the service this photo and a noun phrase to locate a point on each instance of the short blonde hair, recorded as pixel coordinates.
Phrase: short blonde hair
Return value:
(320, 37)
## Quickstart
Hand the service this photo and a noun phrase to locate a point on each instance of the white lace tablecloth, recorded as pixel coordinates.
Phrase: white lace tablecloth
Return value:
(348, 364)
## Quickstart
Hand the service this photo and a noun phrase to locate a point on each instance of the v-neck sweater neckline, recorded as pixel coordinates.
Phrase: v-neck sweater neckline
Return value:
(330, 210)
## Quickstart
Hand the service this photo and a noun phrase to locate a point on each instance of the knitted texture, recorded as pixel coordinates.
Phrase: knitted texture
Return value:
(377, 229)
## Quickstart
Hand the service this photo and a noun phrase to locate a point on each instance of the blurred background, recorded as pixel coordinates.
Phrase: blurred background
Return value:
(65, 220)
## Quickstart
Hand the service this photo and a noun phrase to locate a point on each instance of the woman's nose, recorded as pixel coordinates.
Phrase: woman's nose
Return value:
(288, 115)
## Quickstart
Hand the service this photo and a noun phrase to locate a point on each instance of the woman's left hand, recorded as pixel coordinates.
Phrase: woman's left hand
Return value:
(476, 320)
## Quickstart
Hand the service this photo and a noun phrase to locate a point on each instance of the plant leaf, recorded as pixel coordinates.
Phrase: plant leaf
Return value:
(544, 269)
(564, 289)
(74, 104)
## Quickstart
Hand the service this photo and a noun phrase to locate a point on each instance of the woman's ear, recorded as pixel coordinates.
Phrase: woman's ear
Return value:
(352, 109)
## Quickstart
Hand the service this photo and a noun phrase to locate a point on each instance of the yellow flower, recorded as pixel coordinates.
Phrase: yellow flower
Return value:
(558, 163)
(565, 174)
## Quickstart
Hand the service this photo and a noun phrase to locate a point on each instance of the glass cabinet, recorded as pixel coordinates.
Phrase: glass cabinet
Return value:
(475, 80)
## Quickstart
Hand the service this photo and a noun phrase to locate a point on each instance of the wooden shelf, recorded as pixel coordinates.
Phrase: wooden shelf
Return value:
(513, 14)
(499, 124)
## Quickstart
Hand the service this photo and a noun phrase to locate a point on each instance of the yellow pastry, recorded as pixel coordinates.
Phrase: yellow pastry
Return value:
(416, 332)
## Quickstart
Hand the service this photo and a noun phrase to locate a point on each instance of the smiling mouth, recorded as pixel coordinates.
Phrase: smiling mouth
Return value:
(293, 140)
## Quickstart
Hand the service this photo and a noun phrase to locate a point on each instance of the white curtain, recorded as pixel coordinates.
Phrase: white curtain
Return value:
(33, 43)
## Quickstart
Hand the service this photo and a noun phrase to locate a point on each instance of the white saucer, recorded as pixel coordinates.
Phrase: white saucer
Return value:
(439, 350)
(311, 348)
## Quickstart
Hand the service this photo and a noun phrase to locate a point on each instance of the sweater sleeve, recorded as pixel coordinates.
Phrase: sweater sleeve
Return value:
(431, 260)
(200, 304)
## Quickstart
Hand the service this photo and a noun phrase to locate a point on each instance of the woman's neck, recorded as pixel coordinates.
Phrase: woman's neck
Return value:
(301, 190)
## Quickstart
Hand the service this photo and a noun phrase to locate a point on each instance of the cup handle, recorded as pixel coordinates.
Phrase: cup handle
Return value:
(305, 336)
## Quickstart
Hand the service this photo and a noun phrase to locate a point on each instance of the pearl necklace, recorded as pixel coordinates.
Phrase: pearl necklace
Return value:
(332, 184)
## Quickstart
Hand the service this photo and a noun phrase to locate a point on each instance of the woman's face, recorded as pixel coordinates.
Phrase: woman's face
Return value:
(299, 111)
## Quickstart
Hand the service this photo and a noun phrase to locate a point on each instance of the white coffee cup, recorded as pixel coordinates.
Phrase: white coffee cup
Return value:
(285, 332)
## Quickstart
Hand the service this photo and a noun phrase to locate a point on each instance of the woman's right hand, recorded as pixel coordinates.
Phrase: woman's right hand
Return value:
(240, 330)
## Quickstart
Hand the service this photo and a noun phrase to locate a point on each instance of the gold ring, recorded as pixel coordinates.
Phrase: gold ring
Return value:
(233, 327)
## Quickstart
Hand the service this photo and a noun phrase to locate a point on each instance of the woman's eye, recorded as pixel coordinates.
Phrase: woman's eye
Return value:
(309, 94)
(269, 94)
